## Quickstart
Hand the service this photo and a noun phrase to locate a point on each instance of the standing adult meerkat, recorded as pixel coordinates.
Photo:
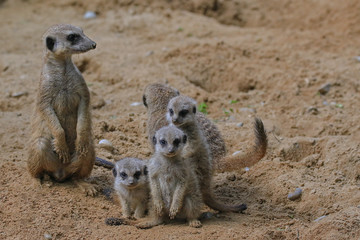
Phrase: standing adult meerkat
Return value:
(156, 98)
(61, 143)
(131, 185)
(174, 185)
(182, 113)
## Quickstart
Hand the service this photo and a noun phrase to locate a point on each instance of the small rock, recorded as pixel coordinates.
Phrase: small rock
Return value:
(149, 53)
(135, 104)
(247, 169)
(106, 144)
(47, 236)
(19, 94)
(114, 221)
(231, 177)
(295, 195)
(357, 58)
(319, 218)
(236, 153)
(240, 124)
(325, 88)
(339, 105)
(313, 110)
(325, 103)
(89, 15)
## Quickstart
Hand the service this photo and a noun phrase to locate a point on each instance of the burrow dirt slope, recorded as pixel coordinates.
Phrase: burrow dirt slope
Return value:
(243, 59)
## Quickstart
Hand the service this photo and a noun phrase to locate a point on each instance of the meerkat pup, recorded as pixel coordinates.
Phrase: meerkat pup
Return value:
(61, 142)
(182, 113)
(174, 186)
(131, 186)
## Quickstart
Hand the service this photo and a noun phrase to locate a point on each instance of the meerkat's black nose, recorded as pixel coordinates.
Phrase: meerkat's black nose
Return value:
(94, 45)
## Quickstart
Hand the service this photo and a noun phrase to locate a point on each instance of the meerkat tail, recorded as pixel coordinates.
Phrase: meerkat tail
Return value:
(210, 200)
(104, 163)
(233, 163)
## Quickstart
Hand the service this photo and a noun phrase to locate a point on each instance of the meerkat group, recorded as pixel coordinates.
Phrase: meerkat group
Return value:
(187, 147)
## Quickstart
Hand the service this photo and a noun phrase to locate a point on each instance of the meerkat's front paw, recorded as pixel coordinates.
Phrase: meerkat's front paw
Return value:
(173, 211)
(158, 207)
(88, 188)
(63, 153)
(82, 147)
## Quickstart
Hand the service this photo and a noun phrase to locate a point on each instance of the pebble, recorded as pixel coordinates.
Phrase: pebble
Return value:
(19, 94)
(240, 124)
(89, 15)
(149, 53)
(313, 110)
(106, 144)
(325, 103)
(135, 104)
(236, 153)
(114, 221)
(357, 58)
(325, 88)
(295, 195)
(247, 169)
(319, 218)
(47, 236)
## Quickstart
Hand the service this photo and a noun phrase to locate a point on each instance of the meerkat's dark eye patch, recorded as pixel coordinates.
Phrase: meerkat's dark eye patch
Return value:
(50, 42)
(163, 142)
(137, 174)
(194, 110)
(183, 113)
(73, 38)
(144, 101)
(114, 172)
(154, 140)
(171, 111)
(184, 139)
(176, 142)
(145, 170)
(123, 175)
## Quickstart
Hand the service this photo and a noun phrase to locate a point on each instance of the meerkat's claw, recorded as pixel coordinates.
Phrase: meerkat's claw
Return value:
(195, 223)
(173, 211)
(88, 188)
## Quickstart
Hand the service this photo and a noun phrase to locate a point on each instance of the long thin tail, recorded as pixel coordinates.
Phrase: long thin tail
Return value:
(210, 200)
(232, 163)
(104, 163)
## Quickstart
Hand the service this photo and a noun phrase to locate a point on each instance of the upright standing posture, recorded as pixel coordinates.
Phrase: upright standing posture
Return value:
(174, 186)
(131, 186)
(61, 143)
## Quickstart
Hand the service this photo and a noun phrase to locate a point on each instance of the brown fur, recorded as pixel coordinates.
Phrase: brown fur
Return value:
(174, 186)
(61, 143)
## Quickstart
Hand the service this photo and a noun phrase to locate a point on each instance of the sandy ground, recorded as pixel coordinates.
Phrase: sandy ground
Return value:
(243, 59)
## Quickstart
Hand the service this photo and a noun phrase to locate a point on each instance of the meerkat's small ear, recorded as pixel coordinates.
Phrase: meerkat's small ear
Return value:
(194, 110)
(154, 140)
(184, 139)
(114, 172)
(144, 101)
(50, 43)
(145, 170)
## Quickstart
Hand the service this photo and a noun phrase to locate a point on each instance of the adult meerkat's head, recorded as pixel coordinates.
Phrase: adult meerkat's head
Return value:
(181, 110)
(130, 173)
(65, 40)
(157, 95)
(169, 141)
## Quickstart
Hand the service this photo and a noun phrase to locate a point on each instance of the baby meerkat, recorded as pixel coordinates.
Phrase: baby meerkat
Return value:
(174, 186)
(131, 186)
(61, 143)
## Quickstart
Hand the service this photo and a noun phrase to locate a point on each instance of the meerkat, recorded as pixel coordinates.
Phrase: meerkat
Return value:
(182, 113)
(156, 98)
(174, 187)
(131, 186)
(61, 142)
